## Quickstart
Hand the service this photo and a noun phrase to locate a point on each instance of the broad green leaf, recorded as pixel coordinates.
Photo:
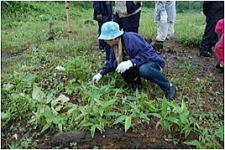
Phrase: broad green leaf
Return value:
(173, 118)
(78, 117)
(70, 111)
(100, 127)
(54, 111)
(120, 119)
(61, 99)
(97, 101)
(165, 124)
(131, 98)
(37, 94)
(127, 123)
(7, 87)
(101, 111)
(85, 123)
(30, 78)
(220, 133)
(164, 107)
(144, 116)
(183, 106)
(58, 108)
(5, 116)
(177, 108)
(113, 114)
(151, 107)
(187, 131)
(109, 103)
(93, 131)
(155, 115)
(45, 128)
(60, 127)
(193, 142)
(184, 117)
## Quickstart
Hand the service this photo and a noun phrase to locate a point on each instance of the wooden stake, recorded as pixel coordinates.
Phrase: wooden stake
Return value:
(69, 24)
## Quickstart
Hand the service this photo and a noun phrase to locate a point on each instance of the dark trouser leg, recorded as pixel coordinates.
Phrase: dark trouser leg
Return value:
(151, 72)
(101, 42)
(209, 38)
(131, 23)
(117, 19)
(131, 77)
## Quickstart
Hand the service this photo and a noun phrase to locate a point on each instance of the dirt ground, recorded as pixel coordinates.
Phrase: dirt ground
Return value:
(144, 135)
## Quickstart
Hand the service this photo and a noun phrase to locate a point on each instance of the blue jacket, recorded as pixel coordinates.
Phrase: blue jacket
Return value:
(104, 8)
(138, 49)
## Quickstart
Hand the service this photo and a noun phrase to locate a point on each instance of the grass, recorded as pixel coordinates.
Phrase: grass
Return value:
(34, 91)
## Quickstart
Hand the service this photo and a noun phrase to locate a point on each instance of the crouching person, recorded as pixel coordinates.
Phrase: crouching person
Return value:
(133, 57)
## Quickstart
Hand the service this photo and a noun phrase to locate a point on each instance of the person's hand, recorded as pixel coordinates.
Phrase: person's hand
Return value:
(123, 66)
(96, 78)
(99, 17)
(163, 16)
(67, 5)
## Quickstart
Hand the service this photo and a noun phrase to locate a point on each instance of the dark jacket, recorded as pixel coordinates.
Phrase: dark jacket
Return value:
(131, 7)
(139, 51)
(213, 9)
(104, 8)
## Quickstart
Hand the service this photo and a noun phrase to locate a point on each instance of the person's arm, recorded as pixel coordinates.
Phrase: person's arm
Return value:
(220, 26)
(132, 7)
(142, 51)
(109, 67)
(97, 11)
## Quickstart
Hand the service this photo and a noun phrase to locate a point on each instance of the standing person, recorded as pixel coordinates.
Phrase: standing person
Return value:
(220, 45)
(214, 11)
(133, 57)
(128, 15)
(165, 16)
(102, 13)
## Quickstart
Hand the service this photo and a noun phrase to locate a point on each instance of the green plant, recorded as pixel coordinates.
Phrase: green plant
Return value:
(26, 142)
(173, 113)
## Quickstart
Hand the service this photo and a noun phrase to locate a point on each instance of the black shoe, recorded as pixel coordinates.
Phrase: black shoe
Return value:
(205, 54)
(148, 40)
(220, 70)
(158, 46)
(171, 93)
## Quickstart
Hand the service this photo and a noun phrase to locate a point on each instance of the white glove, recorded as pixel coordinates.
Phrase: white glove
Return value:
(96, 78)
(163, 16)
(123, 66)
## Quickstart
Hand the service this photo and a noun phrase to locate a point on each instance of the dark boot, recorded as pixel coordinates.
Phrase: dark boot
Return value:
(158, 46)
(170, 93)
(205, 54)
(219, 69)
(148, 39)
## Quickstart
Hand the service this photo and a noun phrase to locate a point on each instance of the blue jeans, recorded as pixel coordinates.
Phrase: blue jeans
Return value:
(151, 72)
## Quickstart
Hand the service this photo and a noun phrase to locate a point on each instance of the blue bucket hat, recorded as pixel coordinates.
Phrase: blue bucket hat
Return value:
(109, 31)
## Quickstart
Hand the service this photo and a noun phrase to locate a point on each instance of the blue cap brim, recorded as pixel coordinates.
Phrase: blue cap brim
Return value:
(105, 37)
